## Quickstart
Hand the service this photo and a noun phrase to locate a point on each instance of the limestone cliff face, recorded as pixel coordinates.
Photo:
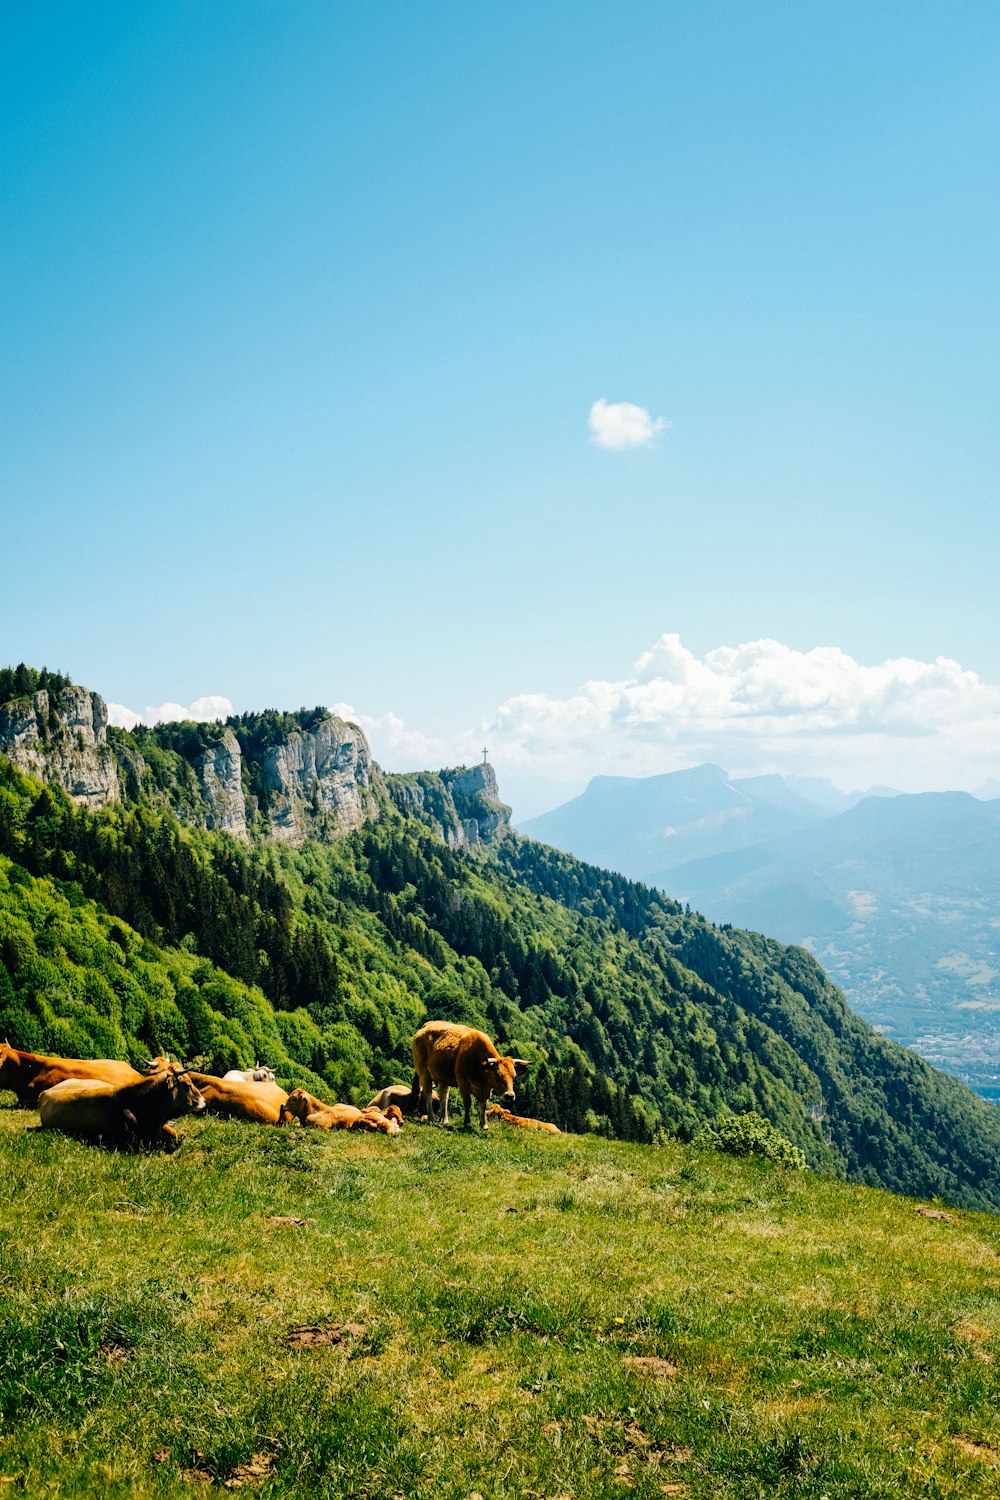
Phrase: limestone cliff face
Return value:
(320, 783)
(462, 806)
(220, 772)
(62, 737)
(474, 791)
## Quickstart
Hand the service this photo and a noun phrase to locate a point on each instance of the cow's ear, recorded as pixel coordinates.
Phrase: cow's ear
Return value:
(520, 1066)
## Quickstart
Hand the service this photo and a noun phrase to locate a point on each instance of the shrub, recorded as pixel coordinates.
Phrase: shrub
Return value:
(751, 1135)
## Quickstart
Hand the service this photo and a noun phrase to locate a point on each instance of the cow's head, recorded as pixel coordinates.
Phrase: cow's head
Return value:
(296, 1107)
(161, 1064)
(374, 1119)
(500, 1073)
(185, 1097)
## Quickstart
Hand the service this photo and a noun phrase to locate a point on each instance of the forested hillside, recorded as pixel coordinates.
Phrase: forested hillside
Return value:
(124, 932)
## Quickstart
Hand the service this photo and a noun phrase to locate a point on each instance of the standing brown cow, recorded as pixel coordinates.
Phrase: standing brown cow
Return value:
(458, 1057)
(27, 1074)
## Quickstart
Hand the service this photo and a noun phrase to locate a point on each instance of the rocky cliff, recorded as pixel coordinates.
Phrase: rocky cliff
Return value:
(220, 774)
(62, 737)
(289, 776)
(462, 805)
(319, 783)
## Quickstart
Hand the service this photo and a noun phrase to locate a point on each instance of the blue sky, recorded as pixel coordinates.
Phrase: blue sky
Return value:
(305, 307)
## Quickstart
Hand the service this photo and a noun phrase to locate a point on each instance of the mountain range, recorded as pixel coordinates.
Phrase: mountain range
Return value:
(262, 889)
(897, 895)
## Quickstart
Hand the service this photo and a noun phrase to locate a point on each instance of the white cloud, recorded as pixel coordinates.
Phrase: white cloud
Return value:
(752, 708)
(124, 718)
(620, 424)
(763, 706)
(212, 707)
(398, 748)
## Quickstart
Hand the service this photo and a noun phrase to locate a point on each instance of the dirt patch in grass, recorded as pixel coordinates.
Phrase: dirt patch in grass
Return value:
(289, 1221)
(651, 1364)
(972, 1333)
(934, 1213)
(113, 1353)
(322, 1335)
(981, 1451)
(258, 1467)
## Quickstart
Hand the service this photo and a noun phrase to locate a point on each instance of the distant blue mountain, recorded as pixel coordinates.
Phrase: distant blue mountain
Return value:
(645, 827)
(897, 895)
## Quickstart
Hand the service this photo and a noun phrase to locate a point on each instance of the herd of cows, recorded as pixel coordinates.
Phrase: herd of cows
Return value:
(110, 1103)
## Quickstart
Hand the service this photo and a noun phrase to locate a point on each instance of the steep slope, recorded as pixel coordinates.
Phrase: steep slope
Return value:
(639, 1016)
(900, 899)
(897, 895)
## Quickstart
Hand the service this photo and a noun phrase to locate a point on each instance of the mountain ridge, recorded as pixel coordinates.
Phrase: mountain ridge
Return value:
(122, 928)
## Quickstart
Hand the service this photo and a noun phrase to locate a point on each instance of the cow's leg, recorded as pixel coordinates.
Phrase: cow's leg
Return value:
(427, 1092)
(484, 1103)
(467, 1101)
(444, 1089)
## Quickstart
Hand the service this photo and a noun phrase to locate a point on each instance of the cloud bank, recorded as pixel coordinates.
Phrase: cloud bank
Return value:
(212, 707)
(620, 424)
(754, 708)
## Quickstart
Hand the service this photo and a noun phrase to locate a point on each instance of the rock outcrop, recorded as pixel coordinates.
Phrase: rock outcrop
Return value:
(314, 782)
(319, 783)
(61, 737)
(474, 791)
(220, 772)
(462, 806)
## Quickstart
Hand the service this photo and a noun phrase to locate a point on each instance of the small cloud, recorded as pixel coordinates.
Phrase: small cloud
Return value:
(122, 717)
(202, 709)
(620, 424)
(212, 707)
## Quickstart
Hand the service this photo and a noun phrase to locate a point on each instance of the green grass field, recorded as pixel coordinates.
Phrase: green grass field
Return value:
(517, 1316)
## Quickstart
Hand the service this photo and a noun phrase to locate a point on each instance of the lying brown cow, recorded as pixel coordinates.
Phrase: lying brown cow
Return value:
(316, 1115)
(258, 1103)
(28, 1074)
(405, 1097)
(135, 1115)
(496, 1112)
(459, 1057)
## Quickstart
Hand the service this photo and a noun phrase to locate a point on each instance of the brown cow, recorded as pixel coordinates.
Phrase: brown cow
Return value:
(258, 1103)
(405, 1097)
(496, 1112)
(459, 1057)
(27, 1074)
(135, 1115)
(316, 1115)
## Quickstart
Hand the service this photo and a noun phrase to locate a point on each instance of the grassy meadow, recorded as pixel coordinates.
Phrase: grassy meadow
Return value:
(282, 1312)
